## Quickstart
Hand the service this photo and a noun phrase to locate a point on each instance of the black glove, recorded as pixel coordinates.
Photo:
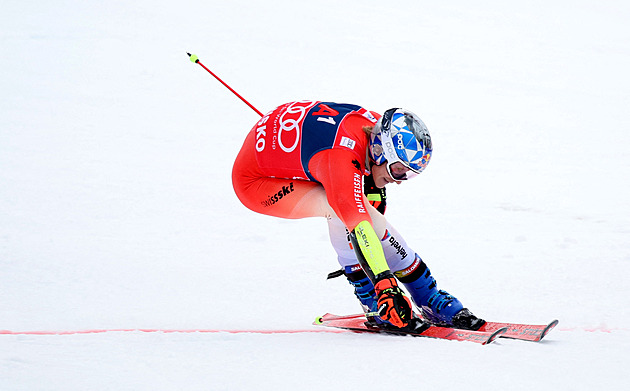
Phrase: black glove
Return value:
(375, 196)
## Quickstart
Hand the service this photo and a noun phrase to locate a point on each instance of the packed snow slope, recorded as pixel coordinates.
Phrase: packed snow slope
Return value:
(117, 211)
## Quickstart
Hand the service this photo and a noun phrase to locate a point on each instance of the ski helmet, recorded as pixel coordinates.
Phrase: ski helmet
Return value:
(401, 136)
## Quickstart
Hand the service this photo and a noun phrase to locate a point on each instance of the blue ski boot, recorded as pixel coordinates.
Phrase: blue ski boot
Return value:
(438, 307)
(364, 291)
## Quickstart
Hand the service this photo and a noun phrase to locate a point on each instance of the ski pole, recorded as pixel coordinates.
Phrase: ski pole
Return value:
(195, 59)
(320, 319)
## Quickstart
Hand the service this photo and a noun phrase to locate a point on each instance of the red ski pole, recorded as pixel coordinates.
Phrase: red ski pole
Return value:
(195, 59)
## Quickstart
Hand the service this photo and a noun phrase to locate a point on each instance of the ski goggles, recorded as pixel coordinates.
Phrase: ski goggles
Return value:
(401, 175)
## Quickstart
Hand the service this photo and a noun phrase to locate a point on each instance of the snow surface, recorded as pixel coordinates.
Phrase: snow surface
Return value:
(117, 212)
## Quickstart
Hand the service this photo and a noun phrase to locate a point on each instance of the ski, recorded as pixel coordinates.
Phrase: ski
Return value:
(356, 323)
(526, 332)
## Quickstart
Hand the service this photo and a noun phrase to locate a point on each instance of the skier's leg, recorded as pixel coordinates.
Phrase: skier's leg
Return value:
(437, 306)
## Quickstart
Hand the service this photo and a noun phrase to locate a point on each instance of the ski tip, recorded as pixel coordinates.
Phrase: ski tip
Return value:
(549, 327)
(493, 337)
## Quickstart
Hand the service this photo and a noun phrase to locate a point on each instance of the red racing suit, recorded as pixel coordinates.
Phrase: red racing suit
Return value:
(306, 157)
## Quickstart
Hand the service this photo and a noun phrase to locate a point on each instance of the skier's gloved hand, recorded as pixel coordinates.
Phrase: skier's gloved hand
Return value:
(393, 305)
(375, 196)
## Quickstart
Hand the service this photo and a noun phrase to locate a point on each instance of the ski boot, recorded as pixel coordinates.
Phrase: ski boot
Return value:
(364, 291)
(438, 307)
(465, 319)
(443, 309)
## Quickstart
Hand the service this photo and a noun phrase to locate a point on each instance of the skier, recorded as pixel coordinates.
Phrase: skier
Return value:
(309, 158)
